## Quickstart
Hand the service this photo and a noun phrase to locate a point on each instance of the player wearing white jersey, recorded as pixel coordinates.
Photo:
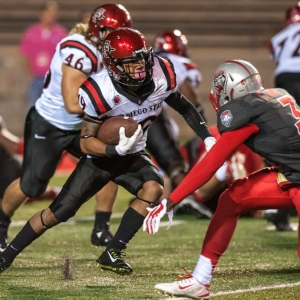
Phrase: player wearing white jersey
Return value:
(285, 50)
(172, 44)
(53, 125)
(134, 84)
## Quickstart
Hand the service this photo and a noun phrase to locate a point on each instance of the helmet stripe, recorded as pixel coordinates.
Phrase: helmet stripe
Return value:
(240, 64)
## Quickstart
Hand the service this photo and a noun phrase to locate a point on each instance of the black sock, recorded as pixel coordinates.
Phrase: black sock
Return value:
(101, 220)
(131, 222)
(4, 223)
(24, 238)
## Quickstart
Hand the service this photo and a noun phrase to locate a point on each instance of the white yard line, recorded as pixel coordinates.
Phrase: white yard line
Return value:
(256, 289)
(261, 288)
(72, 221)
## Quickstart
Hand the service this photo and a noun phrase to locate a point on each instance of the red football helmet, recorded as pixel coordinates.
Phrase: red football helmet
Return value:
(125, 46)
(292, 15)
(107, 17)
(172, 42)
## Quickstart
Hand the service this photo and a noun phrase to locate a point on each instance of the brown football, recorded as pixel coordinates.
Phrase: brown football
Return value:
(108, 133)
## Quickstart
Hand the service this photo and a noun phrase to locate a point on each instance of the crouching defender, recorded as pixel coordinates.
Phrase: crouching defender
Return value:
(266, 121)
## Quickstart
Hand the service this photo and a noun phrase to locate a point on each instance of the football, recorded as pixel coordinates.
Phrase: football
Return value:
(108, 132)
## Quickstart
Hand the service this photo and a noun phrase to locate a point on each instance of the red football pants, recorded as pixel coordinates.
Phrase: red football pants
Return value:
(257, 191)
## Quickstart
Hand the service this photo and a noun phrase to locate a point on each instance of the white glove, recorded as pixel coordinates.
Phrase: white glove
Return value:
(125, 143)
(209, 142)
(152, 220)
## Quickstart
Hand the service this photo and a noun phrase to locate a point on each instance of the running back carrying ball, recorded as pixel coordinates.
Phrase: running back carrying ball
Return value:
(109, 131)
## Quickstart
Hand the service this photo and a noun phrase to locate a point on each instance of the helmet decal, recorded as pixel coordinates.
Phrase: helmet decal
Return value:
(107, 48)
(220, 79)
(226, 118)
(98, 15)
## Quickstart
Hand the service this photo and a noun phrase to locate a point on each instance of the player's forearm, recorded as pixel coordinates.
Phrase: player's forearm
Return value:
(212, 161)
(178, 102)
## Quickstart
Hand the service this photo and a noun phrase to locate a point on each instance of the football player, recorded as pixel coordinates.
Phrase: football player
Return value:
(141, 83)
(284, 50)
(266, 121)
(172, 44)
(53, 125)
(10, 162)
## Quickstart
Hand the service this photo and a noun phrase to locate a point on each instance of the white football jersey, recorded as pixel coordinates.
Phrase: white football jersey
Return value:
(101, 98)
(76, 52)
(184, 68)
(285, 49)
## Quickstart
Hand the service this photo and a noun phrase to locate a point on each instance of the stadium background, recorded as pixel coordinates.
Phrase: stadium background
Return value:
(216, 30)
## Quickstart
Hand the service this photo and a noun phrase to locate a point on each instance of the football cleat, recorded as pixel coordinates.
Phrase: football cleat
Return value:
(189, 206)
(280, 218)
(3, 264)
(101, 237)
(3, 243)
(112, 260)
(188, 287)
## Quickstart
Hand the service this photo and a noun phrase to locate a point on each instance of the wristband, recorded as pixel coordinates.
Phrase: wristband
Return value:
(110, 150)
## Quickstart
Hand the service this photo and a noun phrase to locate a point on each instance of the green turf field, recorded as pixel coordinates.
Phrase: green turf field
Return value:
(259, 264)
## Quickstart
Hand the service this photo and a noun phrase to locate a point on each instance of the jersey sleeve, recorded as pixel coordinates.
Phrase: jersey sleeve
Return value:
(91, 98)
(212, 161)
(169, 72)
(77, 55)
(233, 115)
(193, 74)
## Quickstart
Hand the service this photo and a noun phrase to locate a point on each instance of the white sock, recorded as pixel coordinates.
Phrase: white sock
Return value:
(203, 270)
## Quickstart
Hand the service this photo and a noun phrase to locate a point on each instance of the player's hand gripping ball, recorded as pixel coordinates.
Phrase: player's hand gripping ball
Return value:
(109, 131)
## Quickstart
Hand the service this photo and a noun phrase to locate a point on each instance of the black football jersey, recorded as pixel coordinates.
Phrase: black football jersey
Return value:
(277, 116)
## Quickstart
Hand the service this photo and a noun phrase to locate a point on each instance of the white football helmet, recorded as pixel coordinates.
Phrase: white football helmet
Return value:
(234, 79)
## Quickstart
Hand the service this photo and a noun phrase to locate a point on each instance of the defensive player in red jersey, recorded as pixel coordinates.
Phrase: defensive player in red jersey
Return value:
(53, 124)
(135, 83)
(268, 122)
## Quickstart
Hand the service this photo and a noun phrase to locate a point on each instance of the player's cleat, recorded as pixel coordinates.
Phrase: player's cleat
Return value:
(189, 206)
(112, 260)
(101, 237)
(3, 264)
(3, 243)
(187, 287)
(280, 218)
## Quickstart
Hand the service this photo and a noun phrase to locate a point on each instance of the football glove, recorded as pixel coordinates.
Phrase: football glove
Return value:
(209, 142)
(125, 143)
(152, 220)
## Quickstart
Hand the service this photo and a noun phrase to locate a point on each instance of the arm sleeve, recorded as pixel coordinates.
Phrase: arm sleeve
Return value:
(184, 107)
(212, 161)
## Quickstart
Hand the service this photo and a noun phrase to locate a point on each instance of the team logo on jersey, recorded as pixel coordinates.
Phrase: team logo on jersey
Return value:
(98, 15)
(117, 99)
(220, 79)
(226, 118)
(107, 48)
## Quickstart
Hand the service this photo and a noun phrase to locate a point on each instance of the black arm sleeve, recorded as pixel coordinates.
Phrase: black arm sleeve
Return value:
(185, 108)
